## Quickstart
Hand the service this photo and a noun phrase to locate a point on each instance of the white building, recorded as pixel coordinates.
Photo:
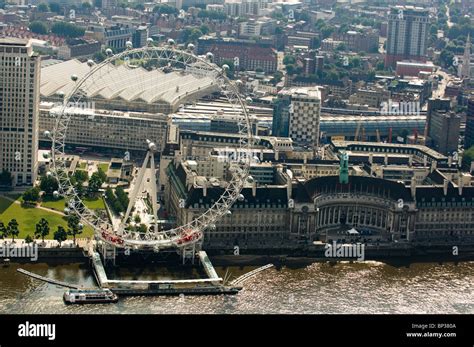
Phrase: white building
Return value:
(237, 8)
(305, 115)
(252, 27)
(19, 99)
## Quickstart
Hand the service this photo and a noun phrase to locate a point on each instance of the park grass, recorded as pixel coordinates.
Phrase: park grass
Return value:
(94, 203)
(55, 204)
(60, 204)
(27, 217)
(104, 166)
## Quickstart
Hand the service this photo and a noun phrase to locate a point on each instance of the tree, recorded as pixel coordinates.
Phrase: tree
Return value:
(216, 15)
(28, 239)
(32, 195)
(139, 7)
(80, 190)
(60, 235)
(73, 227)
(43, 7)
(38, 27)
(118, 207)
(123, 4)
(341, 47)
(468, 157)
(6, 178)
(137, 219)
(142, 228)
(191, 35)
(446, 58)
(327, 31)
(3, 231)
(85, 6)
(95, 182)
(67, 30)
(290, 69)
(289, 59)
(165, 9)
(102, 175)
(81, 176)
(277, 76)
(99, 56)
(204, 29)
(42, 229)
(122, 196)
(55, 7)
(13, 229)
(48, 184)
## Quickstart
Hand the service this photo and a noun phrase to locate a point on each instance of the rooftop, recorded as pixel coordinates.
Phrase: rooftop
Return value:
(421, 148)
(123, 83)
(313, 92)
(13, 41)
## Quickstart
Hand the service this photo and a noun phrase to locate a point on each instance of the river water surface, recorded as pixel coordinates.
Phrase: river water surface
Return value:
(368, 287)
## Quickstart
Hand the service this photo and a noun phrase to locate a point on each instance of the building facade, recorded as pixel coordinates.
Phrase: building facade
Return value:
(444, 131)
(407, 34)
(102, 129)
(78, 48)
(19, 114)
(367, 41)
(118, 36)
(296, 213)
(469, 133)
(302, 107)
(245, 54)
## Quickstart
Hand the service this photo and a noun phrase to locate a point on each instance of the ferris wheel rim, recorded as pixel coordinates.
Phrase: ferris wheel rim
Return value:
(153, 239)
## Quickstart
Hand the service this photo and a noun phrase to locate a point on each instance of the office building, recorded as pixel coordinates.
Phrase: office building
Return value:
(444, 131)
(19, 99)
(407, 34)
(469, 133)
(298, 112)
(435, 104)
(246, 54)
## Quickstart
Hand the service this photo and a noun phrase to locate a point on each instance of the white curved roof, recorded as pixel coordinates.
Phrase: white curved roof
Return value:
(125, 83)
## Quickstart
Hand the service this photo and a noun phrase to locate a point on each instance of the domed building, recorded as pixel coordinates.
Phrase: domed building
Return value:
(325, 206)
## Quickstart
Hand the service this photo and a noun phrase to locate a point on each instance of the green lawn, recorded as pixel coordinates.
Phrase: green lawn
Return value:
(104, 167)
(82, 165)
(92, 203)
(54, 204)
(27, 218)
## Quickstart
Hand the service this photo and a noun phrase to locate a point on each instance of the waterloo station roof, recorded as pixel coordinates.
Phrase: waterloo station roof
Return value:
(129, 84)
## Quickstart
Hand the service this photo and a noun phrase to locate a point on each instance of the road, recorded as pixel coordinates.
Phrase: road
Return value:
(439, 92)
(448, 22)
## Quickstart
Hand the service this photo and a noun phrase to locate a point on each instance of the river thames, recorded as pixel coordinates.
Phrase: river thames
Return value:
(358, 288)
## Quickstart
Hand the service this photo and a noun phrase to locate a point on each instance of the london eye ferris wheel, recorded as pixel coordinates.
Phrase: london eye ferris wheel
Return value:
(161, 61)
